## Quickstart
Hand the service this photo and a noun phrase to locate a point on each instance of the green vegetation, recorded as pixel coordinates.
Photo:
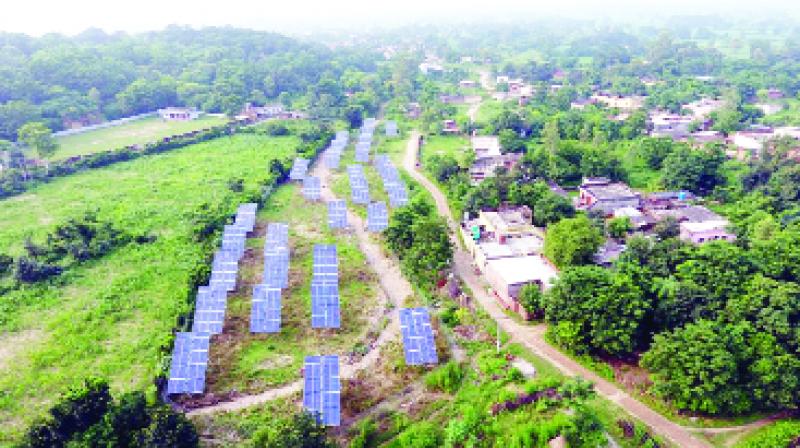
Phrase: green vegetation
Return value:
(89, 416)
(139, 132)
(780, 434)
(113, 316)
(572, 241)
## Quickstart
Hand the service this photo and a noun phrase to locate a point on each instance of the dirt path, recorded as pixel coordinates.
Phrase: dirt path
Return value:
(533, 336)
(391, 281)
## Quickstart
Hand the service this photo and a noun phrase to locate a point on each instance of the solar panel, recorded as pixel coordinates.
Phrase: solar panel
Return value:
(418, 341)
(265, 314)
(248, 208)
(299, 169)
(208, 321)
(332, 159)
(223, 280)
(312, 188)
(360, 195)
(337, 214)
(211, 299)
(322, 389)
(377, 217)
(398, 196)
(189, 363)
(325, 312)
(391, 129)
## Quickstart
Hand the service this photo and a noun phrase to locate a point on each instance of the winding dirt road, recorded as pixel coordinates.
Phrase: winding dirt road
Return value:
(391, 281)
(531, 336)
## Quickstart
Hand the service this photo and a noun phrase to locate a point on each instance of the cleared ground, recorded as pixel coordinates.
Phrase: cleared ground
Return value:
(146, 130)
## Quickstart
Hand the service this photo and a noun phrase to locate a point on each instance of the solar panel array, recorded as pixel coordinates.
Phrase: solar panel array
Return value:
(312, 188)
(299, 169)
(334, 152)
(365, 140)
(377, 217)
(322, 389)
(337, 214)
(418, 342)
(265, 313)
(325, 312)
(391, 129)
(359, 189)
(190, 354)
(394, 186)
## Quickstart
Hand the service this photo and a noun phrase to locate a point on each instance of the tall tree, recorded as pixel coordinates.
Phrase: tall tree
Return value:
(39, 138)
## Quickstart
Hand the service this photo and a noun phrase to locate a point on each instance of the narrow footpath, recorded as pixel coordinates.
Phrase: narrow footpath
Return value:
(532, 337)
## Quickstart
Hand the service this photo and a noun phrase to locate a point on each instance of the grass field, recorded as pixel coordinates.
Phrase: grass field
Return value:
(252, 363)
(142, 131)
(109, 317)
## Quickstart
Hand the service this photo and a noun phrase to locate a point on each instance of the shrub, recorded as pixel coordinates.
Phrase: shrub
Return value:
(446, 378)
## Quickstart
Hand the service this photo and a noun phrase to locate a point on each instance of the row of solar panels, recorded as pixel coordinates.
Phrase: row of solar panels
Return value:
(359, 189)
(190, 353)
(365, 140)
(394, 186)
(265, 311)
(334, 152)
(322, 388)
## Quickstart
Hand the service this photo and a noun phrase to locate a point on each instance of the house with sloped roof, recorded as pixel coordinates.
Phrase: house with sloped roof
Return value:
(599, 193)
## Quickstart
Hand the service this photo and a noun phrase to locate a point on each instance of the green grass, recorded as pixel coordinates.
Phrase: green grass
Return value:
(253, 363)
(110, 317)
(488, 110)
(138, 132)
(774, 435)
(445, 145)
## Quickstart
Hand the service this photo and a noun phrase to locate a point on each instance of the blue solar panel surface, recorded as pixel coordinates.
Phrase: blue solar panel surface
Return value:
(265, 315)
(418, 342)
(337, 214)
(322, 389)
(377, 217)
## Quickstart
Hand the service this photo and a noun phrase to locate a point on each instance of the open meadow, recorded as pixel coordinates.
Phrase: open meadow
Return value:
(112, 316)
(145, 130)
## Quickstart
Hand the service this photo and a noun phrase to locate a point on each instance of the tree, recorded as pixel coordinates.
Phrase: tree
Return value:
(698, 171)
(655, 150)
(697, 367)
(78, 409)
(532, 299)
(431, 250)
(39, 138)
(301, 430)
(619, 227)
(667, 228)
(600, 310)
(572, 241)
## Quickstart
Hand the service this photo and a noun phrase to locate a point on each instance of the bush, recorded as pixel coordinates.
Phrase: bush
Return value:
(446, 378)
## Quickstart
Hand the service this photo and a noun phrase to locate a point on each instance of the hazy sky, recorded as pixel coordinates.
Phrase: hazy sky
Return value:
(300, 16)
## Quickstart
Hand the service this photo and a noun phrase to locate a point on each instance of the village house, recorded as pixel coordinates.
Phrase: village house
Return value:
(663, 200)
(431, 68)
(467, 84)
(502, 79)
(774, 93)
(450, 127)
(413, 110)
(702, 108)
(258, 113)
(675, 126)
(608, 253)
(178, 114)
(637, 218)
(703, 137)
(580, 104)
(623, 103)
(599, 193)
(507, 249)
(701, 232)
(489, 157)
